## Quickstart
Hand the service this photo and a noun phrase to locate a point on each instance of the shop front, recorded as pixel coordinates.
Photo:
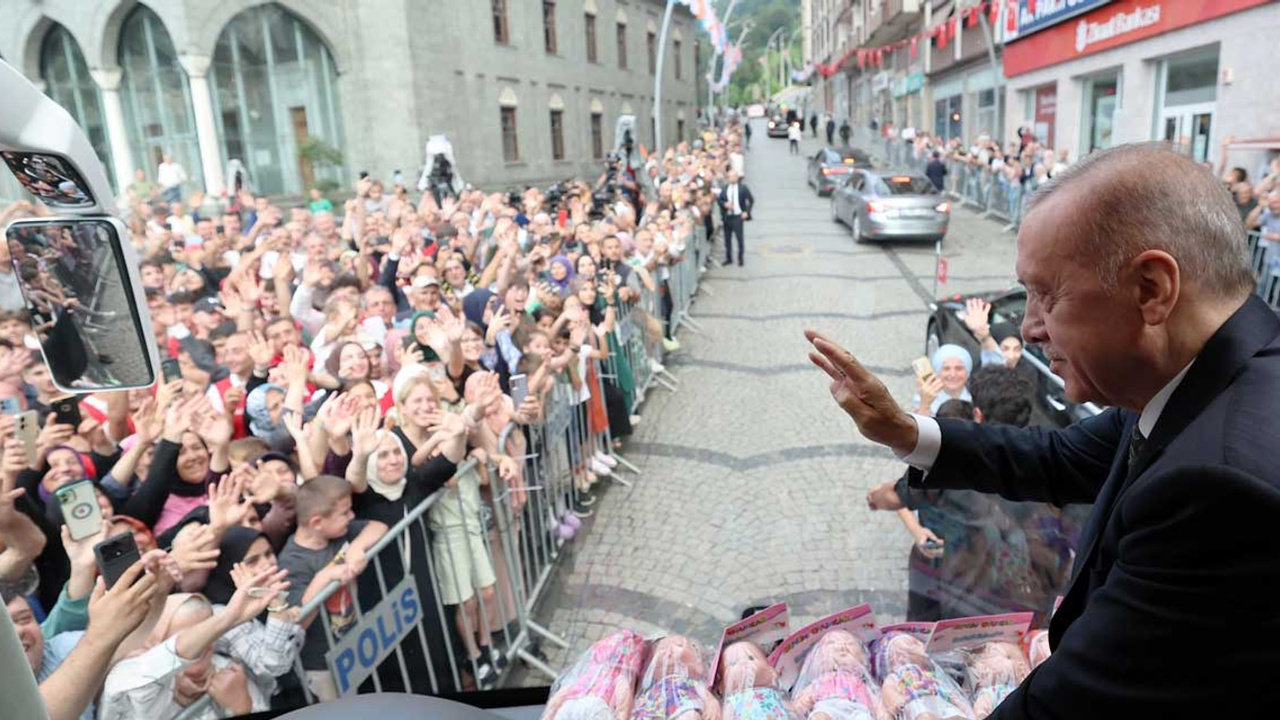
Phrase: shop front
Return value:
(907, 95)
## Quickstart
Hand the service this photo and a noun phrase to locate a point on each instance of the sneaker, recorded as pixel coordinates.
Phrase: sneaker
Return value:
(486, 676)
(656, 366)
(635, 421)
(582, 512)
(586, 499)
(608, 460)
(670, 344)
(599, 468)
(498, 659)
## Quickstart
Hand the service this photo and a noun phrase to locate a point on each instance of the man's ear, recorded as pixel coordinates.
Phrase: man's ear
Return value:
(977, 416)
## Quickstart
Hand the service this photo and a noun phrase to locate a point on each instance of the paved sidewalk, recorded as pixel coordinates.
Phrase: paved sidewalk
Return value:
(754, 481)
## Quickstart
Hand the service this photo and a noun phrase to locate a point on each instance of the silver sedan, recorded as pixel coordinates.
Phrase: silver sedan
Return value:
(880, 206)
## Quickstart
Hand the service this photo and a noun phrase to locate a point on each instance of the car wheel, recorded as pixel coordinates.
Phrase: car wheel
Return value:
(932, 341)
(856, 230)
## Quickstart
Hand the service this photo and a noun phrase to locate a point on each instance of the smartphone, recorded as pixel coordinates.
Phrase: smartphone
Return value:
(27, 429)
(115, 556)
(67, 410)
(923, 368)
(519, 389)
(80, 509)
(171, 369)
(10, 406)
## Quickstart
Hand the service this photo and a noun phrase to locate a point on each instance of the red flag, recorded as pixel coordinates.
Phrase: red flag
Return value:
(952, 26)
(942, 270)
(972, 16)
(995, 13)
(861, 59)
(1011, 17)
(914, 41)
(880, 58)
(1031, 6)
(941, 34)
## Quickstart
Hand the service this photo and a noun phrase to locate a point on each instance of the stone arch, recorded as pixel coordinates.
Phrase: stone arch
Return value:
(320, 20)
(555, 102)
(596, 107)
(107, 53)
(507, 98)
(29, 61)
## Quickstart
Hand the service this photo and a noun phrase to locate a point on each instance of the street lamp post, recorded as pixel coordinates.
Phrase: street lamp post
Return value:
(657, 79)
(768, 74)
(716, 56)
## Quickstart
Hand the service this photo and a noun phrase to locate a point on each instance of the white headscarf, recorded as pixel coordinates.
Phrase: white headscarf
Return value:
(390, 492)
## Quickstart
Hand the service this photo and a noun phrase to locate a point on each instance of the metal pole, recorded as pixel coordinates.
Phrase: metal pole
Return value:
(657, 80)
(768, 73)
(997, 73)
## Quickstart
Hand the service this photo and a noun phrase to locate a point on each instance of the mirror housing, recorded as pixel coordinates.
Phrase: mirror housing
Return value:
(52, 158)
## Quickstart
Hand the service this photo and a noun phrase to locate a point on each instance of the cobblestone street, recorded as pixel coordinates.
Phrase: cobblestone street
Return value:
(754, 481)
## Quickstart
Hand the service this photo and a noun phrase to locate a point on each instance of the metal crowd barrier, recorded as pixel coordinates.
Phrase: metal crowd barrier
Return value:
(1265, 260)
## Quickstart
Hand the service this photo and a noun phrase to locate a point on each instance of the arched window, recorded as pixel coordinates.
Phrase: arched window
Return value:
(275, 97)
(68, 83)
(156, 96)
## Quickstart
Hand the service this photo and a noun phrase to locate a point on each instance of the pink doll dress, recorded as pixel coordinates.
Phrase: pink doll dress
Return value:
(759, 703)
(842, 696)
(611, 658)
(926, 695)
(668, 698)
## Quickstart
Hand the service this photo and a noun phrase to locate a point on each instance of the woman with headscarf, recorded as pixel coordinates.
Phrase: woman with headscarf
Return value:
(419, 336)
(951, 367)
(559, 274)
(176, 663)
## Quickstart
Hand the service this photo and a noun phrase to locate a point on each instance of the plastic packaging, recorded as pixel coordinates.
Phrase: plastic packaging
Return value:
(994, 671)
(913, 687)
(1036, 646)
(674, 683)
(601, 685)
(835, 681)
(749, 685)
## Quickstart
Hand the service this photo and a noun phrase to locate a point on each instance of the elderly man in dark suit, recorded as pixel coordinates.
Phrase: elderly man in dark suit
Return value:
(735, 207)
(1140, 293)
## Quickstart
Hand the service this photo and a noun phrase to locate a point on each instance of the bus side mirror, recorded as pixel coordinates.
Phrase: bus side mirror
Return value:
(74, 273)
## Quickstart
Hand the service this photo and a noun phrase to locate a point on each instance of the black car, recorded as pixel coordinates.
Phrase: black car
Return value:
(778, 125)
(1049, 407)
(830, 166)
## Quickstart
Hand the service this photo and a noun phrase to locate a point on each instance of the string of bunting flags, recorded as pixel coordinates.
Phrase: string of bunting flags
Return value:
(719, 34)
(940, 34)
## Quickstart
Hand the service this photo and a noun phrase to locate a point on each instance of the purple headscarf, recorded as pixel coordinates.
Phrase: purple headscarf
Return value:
(562, 286)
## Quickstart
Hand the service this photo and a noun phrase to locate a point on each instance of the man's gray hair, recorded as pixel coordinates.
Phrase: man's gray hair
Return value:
(1144, 196)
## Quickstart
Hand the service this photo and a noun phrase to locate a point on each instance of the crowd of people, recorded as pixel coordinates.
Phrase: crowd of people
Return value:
(336, 370)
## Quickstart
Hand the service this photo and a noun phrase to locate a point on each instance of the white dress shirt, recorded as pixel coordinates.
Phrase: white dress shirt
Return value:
(929, 434)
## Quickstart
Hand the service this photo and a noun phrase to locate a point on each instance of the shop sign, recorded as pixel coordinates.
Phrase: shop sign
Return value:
(1035, 15)
(880, 82)
(1112, 25)
(907, 85)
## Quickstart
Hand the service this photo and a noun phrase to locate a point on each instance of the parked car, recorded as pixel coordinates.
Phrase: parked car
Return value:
(879, 206)
(1049, 406)
(830, 166)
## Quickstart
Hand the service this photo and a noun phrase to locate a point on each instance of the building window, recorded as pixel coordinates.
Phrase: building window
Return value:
(68, 83)
(622, 46)
(557, 134)
(591, 38)
(500, 30)
(597, 136)
(156, 96)
(679, 130)
(270, 70)
(676, 49)
(549, 25)
(651, 44)
(510, 143)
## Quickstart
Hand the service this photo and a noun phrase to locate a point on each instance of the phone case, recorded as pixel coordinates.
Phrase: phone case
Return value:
(923, 368)
(67, 411)
(519, 389)
(80, 509)
(171, 370)
(115, 556)
(27, 429)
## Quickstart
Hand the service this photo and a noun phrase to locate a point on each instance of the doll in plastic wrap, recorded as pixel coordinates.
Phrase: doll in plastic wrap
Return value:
(1036, 645)
(674, 685)
(995, 670)
(749, 685)
(603, 682)
(835, 682)
(913, 688)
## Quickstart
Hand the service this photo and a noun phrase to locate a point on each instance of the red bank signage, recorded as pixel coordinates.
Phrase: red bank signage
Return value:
(1115, 24)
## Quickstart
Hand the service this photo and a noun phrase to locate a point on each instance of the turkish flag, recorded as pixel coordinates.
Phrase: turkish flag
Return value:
(862, 58)
(941, 34)
(1011, 17)
(914, 42)
(1031, 6)
(994, 9)
(953, 26)
(971, 16)
(942, 270)
(880, 58)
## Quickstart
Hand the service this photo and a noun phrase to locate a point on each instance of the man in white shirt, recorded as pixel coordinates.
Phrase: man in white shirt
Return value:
(1153, 314)
(170, 176)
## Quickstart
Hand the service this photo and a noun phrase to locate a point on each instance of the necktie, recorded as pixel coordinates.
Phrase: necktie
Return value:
(1136, 443)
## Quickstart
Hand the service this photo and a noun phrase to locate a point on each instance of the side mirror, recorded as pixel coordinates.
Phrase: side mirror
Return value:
(74, 274)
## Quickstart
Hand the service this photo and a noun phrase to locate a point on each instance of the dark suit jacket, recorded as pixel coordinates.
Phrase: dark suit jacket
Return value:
(1174, 595)
(745, 200)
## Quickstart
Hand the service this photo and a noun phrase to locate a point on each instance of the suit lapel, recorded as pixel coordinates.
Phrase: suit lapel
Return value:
(1250, 329)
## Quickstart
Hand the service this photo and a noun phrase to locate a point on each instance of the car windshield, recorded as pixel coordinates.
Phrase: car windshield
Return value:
(905, 185)
(500, 353)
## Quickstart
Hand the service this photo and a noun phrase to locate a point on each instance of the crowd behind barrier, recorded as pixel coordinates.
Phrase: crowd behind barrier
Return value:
(390, 422)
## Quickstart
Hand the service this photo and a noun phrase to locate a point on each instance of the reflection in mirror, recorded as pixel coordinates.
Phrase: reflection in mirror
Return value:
(52, 179)
(73, 276)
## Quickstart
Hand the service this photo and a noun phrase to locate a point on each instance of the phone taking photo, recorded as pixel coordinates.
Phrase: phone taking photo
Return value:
(171, 369)
(115, 556)
(80, 509)
(67, 410)
(26, 428)
(923, 368)
(519, 389)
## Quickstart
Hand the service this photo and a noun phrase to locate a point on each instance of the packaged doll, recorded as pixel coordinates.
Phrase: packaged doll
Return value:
(994, 670)
(1036, 645)
(912, 687)
(602, 683)
(674, 684)
(749, 685)
(835, 682)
